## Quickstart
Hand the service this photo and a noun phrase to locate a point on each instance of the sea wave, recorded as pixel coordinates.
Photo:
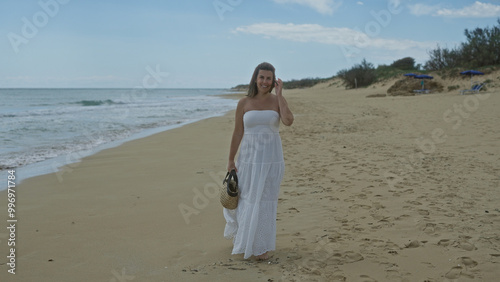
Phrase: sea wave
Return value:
(88, 103)
(170, 104)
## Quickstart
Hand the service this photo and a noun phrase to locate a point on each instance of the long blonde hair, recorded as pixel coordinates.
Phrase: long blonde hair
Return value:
(252, 89)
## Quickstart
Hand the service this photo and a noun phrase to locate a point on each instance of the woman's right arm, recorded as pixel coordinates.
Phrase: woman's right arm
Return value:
(237, 135)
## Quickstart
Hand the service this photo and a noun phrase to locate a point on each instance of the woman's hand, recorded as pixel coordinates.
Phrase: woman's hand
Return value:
(285, 113)
(278, 86)
(231, 165)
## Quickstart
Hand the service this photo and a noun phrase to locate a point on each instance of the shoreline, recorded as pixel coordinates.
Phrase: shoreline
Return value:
(52, 165)
(148, 209)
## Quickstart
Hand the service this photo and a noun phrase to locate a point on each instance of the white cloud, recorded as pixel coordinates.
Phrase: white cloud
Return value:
(476, 10)
(422, 9)
(326, 7)
(329, 35)
(360, 3)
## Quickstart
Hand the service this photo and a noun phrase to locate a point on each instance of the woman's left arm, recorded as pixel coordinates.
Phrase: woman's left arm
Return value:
(285, 113)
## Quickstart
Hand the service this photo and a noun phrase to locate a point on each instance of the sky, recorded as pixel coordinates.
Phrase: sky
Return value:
(218, 43)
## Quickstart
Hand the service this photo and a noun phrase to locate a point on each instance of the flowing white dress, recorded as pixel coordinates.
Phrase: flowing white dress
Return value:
(252, 225)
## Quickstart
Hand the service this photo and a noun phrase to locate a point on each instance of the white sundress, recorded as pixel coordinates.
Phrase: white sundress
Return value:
(252, 225)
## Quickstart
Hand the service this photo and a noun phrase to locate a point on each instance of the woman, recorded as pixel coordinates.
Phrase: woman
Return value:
(260, 166)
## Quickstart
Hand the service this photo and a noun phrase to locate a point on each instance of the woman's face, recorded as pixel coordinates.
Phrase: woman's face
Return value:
(264, 81)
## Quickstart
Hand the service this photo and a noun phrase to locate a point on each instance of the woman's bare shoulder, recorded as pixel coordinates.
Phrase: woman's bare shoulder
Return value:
(243, 101)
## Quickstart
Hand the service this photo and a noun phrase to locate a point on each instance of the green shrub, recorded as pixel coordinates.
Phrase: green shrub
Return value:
(303, 83)
(407, 63)
(359, 75)
(480, 50)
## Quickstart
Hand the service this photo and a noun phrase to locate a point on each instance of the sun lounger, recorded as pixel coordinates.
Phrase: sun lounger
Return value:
(422, 91)
(474, 89)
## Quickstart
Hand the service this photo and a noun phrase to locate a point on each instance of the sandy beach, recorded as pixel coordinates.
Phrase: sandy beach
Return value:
(375, 189)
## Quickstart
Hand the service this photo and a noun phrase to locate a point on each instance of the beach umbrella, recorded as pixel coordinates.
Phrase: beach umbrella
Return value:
(423, 77)
(471, 73)
(410, 74)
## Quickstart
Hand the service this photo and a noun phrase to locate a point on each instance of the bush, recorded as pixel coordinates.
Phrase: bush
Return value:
(407, 63)
(406, 87)
(384, 72)
(359, 75)
(480, 49)
(303, 83)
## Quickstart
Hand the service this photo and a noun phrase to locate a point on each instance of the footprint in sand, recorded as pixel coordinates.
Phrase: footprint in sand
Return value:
(394, 275)
(402, 217)
(429, 228)
(351, 257)
(445, 242)
(464, 263)
(454, 273)
(338, 276)
(362, 196)
(415, 203)
(357, 206)
(366, 278)
(423, 212)
(413, 244)
(378, 205)
(468, 262)
(467, 246)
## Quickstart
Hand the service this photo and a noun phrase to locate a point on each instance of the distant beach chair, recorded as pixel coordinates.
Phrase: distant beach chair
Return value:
(474, 89)
(422, 91)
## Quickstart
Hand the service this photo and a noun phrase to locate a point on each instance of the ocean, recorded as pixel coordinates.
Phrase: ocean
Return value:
(43, 129)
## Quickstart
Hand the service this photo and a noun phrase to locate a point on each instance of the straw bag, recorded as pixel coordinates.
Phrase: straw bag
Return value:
(229, 192)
